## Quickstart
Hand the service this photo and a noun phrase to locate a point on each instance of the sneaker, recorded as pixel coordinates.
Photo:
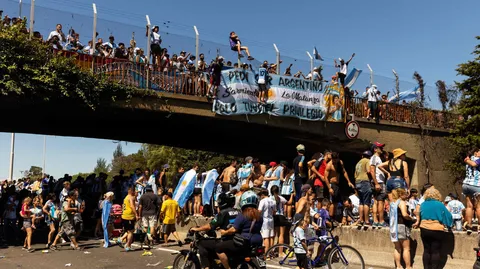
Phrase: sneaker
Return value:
(30, 250)
(127, 249)
(374, 225)
(48, 245)
(250, 58)
(180, 244)
(24, 248)
(53, 247)
(360, 224)
(63, 241)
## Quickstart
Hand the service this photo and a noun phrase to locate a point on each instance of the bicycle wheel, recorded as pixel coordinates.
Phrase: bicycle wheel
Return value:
(183, 262)
(281, 254)
(345, 257)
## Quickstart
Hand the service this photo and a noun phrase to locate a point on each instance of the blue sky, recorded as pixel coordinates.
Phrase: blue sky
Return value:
(427, 36)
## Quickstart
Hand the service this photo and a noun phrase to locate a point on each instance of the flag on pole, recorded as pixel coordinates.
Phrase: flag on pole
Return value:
(410, 94)
(316, 55)
(352, 77)
(185, 187)
(208, 186)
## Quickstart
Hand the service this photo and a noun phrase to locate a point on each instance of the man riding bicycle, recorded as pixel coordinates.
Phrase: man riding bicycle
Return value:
(223, 221)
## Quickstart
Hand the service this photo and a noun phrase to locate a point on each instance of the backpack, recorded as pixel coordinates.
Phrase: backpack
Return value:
(233, 179)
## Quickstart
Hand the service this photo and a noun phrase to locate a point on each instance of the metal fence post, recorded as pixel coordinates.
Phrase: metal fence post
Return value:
(311, 64)
(278, 58)
(12, 156)
(94, 35)
(32, 17)
(371, 74)
(149, 31)
(197, 45)
(20, 9)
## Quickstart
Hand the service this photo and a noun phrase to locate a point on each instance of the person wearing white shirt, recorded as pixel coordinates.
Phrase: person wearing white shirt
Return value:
(58, 32)
(316, 74)
(343, 68)
(373, 96)
(380, 194)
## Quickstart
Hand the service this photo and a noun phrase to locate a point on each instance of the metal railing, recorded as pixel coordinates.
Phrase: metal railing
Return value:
(159, 78)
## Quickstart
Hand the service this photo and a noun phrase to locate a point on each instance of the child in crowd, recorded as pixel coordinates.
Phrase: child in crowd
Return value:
(457, 209)
(267, 209)
(300, 244)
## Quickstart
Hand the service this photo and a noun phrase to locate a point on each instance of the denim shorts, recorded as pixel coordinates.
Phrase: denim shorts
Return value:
(395, 183)
(470, 190)
(364, 190)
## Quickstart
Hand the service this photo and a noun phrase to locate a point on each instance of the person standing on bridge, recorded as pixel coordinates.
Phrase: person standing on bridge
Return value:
(343, 68)
(215, 76)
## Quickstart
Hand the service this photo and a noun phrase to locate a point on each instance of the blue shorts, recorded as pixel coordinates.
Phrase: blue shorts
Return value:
(395, 183)
(470, 190)
(364, 190)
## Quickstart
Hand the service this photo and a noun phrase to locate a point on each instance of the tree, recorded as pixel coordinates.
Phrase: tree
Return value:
(442, 93)
(466, 134)
(421, 88)
(101, 167)
(118, 151)
(30, 69)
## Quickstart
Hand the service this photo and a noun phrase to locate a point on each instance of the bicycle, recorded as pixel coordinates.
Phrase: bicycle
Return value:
(336, 254)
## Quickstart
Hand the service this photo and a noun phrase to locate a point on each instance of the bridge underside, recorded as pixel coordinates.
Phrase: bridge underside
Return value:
(172, 129)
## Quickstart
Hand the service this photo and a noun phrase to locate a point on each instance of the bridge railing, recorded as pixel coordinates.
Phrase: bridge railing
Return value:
(195, 83)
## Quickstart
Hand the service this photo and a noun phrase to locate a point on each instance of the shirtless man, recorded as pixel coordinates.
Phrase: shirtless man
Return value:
(226, 174)
(258, 173)
(302, 208)
(333, 172)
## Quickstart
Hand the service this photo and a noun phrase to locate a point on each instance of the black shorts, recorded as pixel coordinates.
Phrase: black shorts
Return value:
(320, 192)
(287, 197)
(215, 80)
(197, 191)
(225, 187)
(226, 246)
(128, 225)
(279, 221)
(168, 228)
(302, 260)
(336, 197)
(156, 49)
(262, 87)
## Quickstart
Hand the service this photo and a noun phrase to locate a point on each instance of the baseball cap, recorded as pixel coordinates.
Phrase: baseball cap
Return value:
(300, 147)
(220, 57)
(306, 187)
(448, 199)
(379, 145)
(272, 164)
(367, 153)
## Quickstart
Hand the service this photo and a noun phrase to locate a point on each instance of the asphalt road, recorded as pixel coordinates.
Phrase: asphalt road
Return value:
(92, 256)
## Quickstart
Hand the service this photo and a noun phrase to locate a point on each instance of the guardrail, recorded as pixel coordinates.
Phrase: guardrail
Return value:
(197, 84)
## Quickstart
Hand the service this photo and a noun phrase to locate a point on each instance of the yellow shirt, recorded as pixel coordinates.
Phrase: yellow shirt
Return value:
(127, 213)
(362, 169)
(170, 210)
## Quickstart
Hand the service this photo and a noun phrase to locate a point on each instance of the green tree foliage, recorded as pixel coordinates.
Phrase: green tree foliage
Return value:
(421, 84)
(101, 167)
(448, 95)
(466, 135)
(84, 175)
(30, 69)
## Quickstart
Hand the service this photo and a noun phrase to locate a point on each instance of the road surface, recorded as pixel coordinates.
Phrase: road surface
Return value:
(92, 256)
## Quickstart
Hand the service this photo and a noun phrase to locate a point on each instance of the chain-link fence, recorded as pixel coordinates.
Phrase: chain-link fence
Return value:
(176, 37)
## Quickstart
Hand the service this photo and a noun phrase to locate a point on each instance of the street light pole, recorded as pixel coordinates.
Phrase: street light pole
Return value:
(12, 155)
(44, 152)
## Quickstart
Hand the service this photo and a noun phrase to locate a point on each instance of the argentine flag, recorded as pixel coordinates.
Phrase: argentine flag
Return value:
(352, 77)
(208, 185)
(413, 93)
(185, 187)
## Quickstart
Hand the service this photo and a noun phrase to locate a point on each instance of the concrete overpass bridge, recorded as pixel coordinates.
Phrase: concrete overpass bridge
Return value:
(181, 118)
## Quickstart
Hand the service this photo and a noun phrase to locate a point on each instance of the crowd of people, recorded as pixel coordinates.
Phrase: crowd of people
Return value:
(316, 191)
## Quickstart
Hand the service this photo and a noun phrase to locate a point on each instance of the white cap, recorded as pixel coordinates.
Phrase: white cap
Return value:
(340, 59)
(220, 57)
(374, 86)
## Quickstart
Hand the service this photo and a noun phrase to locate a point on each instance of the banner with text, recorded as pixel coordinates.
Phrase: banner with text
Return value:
(286, 96)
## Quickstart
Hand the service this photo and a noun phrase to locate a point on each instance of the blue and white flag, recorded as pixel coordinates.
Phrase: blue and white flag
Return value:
(316, 55)
(411, 94)
(352, 77)
(185, 187)
(208, 185)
